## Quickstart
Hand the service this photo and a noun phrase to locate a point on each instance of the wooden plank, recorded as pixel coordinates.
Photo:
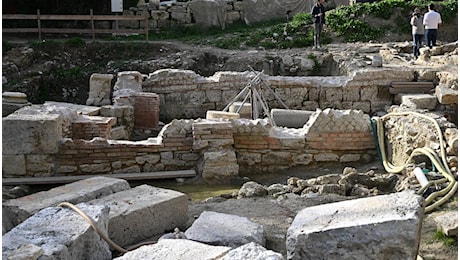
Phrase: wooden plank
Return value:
(409, 84)
(409, 90)
(69, 30)
(126, 176)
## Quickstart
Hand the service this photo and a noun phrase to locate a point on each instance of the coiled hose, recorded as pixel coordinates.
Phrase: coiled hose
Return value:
(436, 198)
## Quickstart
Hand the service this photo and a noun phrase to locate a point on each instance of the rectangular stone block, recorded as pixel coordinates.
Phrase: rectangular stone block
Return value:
(17, 210)
(380, 227)
(143, 212)
(31, 134)
(59, 233)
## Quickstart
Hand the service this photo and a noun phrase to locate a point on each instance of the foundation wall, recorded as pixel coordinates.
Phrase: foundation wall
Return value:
(250, 146)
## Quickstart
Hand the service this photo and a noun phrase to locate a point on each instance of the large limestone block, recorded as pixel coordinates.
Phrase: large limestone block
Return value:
(99, 89)
(173, 249)
(380, 227)
(225, 230)
(446, 95)
(17, 210)
(31, 134)
(418, 101)
(59, 233)
(143, 212)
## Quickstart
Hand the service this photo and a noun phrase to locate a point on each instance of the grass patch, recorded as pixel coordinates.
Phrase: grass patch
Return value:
(447, 241)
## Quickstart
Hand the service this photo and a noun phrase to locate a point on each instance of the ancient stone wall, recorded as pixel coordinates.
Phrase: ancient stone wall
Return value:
(185, 94)
(218, 149)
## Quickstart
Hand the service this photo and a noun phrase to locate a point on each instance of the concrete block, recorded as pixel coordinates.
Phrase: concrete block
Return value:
(446, 95)
(59, 233)
(176, 249)
(380, 227)
(143, 212)
(17, 210)
(245, 109)
(225, 230)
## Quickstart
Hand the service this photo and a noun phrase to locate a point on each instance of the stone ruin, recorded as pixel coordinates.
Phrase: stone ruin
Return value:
(60, 139)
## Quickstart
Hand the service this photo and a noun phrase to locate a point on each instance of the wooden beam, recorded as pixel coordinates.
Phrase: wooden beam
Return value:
(126, 176)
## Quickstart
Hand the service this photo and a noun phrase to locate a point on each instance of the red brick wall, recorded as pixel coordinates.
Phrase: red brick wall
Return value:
(340, 141)
(146, 110)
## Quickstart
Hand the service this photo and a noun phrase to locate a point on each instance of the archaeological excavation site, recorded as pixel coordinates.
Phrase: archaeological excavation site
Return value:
(187, 152)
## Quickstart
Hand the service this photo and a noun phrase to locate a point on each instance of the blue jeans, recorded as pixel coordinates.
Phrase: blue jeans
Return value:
(417, 38)
(430, 35)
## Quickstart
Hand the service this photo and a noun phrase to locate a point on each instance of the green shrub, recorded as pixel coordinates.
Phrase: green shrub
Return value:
(75, 42)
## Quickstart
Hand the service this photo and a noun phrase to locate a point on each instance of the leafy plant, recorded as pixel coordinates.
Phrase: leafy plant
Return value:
(447, 241)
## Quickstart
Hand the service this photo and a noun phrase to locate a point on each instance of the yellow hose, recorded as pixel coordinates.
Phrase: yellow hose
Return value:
(430, 202)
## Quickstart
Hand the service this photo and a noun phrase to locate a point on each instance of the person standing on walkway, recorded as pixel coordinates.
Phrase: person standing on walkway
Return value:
(319, 17)
(417, 31)
(431, 21)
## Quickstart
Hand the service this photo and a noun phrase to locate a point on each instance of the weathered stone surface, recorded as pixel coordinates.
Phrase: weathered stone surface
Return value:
(143, 212)
(252, 189)
(220, 114)
(99, 89)
(26, 134)
(358, 229)
(17, 210)
(290, 118)
(225, 229)
(447, 223)
(418, 101)
(446, 95)
(60, 233)
(176, 249)
(252, 251)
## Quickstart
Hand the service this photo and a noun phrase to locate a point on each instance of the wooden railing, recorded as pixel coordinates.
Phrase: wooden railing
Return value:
(91, 17)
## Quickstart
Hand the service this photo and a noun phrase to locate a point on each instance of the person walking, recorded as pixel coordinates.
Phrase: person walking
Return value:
(319, 16)
(417, 31)
(431, 21)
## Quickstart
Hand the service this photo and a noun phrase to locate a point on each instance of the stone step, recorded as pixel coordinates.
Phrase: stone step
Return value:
(17, 210)
(140, 213)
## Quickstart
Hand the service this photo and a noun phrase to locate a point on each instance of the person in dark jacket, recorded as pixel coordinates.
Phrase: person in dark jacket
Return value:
(319, 17)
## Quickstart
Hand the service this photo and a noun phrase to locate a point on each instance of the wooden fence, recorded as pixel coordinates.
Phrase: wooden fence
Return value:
(91, 17)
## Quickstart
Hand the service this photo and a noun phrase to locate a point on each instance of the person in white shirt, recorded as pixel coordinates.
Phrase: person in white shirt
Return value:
(431, 21)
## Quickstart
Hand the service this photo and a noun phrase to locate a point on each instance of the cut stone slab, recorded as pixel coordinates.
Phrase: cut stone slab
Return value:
(225, 230)
(176, 249)
(417, 101)
(143, 212)
(446, 95)
(59, 233)
(380, 227)
(17, 210)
